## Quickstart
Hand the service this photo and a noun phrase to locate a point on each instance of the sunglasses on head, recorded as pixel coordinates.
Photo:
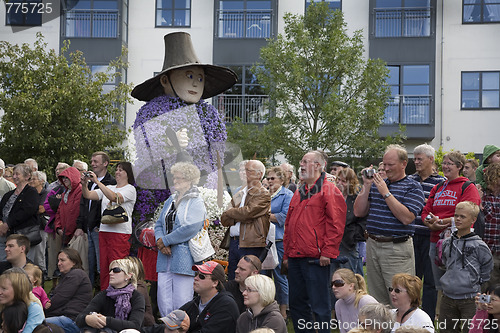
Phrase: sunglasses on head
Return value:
(249, 260)
(116, 270)
(337, 283)
(201, 276)
(396, 290)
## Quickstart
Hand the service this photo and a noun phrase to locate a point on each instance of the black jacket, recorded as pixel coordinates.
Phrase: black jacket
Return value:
(355, 227)
(220, 314)
(106, 306)
(234, 288)
(24, 212)
(71, 295)
(90, 219)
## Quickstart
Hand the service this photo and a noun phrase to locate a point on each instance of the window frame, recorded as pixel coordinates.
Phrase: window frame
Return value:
(309, 2)
(404, 21)
(173, 9)
(482, 4)
(38, 14)
(480, 91)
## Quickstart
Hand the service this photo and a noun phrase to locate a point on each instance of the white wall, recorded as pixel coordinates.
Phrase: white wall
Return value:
(467, 47)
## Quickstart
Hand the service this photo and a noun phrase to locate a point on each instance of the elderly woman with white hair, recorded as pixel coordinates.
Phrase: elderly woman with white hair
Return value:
(180, 220)
(263, 310)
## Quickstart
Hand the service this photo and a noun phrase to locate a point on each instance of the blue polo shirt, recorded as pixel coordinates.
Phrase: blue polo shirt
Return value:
(381, 221)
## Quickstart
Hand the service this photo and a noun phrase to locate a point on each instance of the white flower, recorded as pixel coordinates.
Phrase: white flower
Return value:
(209, 196)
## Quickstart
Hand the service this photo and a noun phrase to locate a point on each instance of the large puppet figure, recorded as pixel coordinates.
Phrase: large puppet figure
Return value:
(176, 123)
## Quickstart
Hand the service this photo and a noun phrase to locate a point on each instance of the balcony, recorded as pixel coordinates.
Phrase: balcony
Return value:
(408, 110)
(244, 23)
(402, 22)
(91, 23)
(251, 109)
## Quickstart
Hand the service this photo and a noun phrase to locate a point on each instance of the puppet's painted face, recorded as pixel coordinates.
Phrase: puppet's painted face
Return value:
(188, 83)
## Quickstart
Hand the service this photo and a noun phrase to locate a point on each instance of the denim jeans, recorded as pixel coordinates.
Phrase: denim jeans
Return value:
(436, 271)
(309, 295)
(280, 280)
(235, 254)
(93, 253)
(423, 270)
(68, 325)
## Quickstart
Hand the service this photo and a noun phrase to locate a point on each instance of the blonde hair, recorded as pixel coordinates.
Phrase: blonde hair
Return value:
(264, 286)
(36, 271)
(359, 283)
(400, 150)
(20, 284)
(188, 170)
(139, 268)
(469, 206)
(128, 268)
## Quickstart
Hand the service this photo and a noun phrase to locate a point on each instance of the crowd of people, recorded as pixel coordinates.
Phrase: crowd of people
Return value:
(430, 244)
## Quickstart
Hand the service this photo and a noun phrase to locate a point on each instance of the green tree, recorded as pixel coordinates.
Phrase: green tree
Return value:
(54, 108)
(325, 94)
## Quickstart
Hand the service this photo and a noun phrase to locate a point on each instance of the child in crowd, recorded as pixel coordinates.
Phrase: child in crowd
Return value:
(491, 210)
(35, 275)
(468, 263)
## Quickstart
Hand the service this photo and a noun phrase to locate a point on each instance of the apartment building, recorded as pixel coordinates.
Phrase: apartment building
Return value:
(443, 55)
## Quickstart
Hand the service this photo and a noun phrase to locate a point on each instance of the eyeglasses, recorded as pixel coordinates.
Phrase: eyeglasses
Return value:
(116, 270)
(271, 178)
(201, 276)
(248, 259)
(396, 290)
(249, 290)
(337, 283)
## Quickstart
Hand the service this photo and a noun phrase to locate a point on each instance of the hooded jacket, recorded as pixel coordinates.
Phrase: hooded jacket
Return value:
(443, 200)
(269, 317)
(487, 152)
(69, 208)
(468, 262)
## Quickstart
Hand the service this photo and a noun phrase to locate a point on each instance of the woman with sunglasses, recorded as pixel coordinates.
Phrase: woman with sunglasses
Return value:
(72, 293)
(263, 310)
(351, 294)
(118, 307)
(180, 220)
(280, 200)
(406, 296)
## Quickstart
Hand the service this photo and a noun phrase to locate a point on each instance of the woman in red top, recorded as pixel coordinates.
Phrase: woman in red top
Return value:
(440, 206)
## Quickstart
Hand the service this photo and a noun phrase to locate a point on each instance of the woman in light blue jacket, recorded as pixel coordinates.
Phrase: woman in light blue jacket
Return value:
(180, 220)
(280, 200)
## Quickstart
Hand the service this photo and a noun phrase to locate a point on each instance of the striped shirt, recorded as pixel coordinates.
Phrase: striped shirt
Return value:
(380, 219)
(427, 185)
(491, 211)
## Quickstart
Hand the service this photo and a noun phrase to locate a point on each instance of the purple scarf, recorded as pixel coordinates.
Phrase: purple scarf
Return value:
(122, 300)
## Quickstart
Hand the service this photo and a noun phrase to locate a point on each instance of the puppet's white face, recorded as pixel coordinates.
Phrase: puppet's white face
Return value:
(188, 83)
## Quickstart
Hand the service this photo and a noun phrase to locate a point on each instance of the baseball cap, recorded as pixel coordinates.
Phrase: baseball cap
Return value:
(213, 268)
(176, 319)
(340, 163)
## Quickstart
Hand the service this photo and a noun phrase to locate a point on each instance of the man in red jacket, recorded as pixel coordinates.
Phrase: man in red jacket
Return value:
(314, 228)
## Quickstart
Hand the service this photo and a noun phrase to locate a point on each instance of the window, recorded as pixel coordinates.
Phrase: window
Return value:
(333, 4)
(402, 18)
(25, 12)
(244, 19)
(245, 100)
(92, 19)
(410, 99)
(480, 90)
(481, 11)
(173, 13)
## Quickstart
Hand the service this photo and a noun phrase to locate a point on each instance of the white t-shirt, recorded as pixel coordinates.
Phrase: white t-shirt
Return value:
(129, 195)
(419, 319)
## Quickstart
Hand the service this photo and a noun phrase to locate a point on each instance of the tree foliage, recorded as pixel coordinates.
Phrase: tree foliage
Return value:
(54, 109)
(326, 94)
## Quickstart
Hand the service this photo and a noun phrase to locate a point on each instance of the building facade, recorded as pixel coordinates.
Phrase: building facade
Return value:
(443, 56)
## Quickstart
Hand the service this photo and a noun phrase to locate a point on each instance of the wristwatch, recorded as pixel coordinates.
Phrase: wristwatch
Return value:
(387, 195)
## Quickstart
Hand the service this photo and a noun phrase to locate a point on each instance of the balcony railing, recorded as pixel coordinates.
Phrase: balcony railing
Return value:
(244, 23)
(402, 22)
(91, 23)
(249, 108)
(408, 110)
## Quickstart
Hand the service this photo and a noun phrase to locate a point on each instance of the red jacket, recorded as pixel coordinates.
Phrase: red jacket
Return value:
(315, 221)
(443, 202)
(68, 212)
